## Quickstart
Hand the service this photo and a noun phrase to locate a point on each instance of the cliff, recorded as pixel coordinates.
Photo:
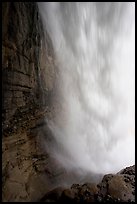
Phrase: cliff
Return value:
(27, 61)
(28, 80)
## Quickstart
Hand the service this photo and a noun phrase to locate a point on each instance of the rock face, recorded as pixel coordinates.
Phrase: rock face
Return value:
(28, 77)
(118, 187)
(27, 60)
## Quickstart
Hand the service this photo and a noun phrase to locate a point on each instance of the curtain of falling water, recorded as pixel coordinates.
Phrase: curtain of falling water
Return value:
(94, 44)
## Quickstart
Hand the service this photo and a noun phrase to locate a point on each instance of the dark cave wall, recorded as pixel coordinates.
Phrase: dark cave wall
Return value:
(27, 63)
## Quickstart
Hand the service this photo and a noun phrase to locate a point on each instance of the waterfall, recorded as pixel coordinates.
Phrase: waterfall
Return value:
(94, 45)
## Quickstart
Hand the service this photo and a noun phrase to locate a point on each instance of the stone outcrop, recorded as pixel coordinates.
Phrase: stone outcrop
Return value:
(27, 60)
(28, 77)
(118, 187)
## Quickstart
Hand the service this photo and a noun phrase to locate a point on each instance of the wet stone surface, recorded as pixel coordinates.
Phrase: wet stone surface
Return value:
(118, 187)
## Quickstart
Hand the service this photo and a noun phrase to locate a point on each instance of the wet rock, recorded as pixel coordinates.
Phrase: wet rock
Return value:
(118, 188)
(128, 170)
(53, 195)
(112, 188)
(24, 61)
(68, 195)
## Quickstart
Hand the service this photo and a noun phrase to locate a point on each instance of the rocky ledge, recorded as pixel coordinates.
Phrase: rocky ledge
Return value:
(118, 187)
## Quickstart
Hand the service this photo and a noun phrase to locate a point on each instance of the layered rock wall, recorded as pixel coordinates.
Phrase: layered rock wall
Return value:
(28, 77)
(27, 63)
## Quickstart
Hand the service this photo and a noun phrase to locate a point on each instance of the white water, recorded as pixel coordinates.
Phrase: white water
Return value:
(94, 45)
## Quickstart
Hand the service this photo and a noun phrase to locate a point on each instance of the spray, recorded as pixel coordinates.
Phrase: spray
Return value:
(94, 44)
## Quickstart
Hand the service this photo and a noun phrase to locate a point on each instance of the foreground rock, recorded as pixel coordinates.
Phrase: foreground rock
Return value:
(118, 187)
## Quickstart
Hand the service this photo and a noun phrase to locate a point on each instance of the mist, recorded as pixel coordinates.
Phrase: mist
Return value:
(94, 45)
